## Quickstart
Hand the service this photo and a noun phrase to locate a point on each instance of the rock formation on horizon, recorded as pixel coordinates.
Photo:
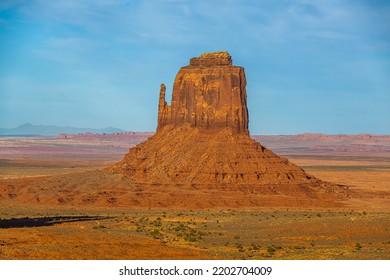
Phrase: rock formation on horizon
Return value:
(202, 138)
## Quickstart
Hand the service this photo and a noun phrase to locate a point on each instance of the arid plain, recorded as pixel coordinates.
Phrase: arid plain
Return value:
(95, 223)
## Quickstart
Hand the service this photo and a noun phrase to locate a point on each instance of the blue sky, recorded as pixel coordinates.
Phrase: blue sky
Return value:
(311, 66)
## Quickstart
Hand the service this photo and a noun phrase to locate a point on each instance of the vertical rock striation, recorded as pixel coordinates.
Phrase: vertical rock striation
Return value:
(208, 94)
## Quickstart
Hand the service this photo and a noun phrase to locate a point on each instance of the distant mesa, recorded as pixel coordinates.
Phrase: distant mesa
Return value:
(202, 138)
(29, 129)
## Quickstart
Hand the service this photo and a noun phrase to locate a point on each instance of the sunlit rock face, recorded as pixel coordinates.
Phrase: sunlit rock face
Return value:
(208, 94)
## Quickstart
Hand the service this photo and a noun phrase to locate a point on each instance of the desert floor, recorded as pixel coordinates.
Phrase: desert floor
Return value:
(360, 230)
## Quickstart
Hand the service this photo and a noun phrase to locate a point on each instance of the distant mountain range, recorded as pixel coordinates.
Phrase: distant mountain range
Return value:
(29, 129)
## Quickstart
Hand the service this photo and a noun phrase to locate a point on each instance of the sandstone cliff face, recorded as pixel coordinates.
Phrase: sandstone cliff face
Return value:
(207, 94)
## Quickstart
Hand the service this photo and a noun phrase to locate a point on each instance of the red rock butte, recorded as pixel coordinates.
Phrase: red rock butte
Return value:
(203, 140)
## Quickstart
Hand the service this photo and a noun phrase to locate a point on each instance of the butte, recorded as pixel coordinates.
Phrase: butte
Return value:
(200, 157)
(203, 142)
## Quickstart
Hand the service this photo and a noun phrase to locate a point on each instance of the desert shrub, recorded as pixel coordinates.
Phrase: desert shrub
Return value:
(179, 227)
(157, 222)
(271, 249)
(193, 235)
(138, 229)
(156, 234)
(190, 238)
(99, 227)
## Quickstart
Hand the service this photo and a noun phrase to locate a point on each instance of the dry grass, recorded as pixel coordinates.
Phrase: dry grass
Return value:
(211, 234)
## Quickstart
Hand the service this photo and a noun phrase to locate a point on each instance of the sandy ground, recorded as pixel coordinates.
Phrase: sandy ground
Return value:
(358, 230)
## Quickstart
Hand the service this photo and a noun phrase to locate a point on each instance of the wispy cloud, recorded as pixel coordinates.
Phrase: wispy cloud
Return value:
(188, 22)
